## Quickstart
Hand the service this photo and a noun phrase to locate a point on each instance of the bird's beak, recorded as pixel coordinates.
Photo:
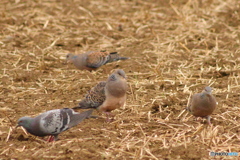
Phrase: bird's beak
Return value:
(17, 126)
(66, 61)
(125, 77)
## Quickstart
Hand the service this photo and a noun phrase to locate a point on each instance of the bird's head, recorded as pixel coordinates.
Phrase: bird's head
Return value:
(117, 74)
(24, 121)
(207, 89)
(69, 57)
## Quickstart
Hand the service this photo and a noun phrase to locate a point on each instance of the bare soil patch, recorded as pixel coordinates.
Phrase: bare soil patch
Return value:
(176, 47)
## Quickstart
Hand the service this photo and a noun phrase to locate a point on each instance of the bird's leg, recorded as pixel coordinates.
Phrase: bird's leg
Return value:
(208, 119)
(107, 114)
(51, 138)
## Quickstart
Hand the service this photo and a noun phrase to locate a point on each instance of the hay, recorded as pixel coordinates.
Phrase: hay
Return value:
(176, 48)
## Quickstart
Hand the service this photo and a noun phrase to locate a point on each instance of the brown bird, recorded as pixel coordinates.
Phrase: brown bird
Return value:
(107, 95)
(92, 60)
(203, 104)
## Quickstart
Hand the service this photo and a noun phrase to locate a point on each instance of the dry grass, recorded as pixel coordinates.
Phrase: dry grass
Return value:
(176, 47)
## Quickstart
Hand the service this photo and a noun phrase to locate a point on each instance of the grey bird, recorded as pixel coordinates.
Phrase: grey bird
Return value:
(203, 104)
(107, 95)
(92, 60)
(53, 122)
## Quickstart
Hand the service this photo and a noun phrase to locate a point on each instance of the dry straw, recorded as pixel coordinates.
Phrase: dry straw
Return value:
(176, 49)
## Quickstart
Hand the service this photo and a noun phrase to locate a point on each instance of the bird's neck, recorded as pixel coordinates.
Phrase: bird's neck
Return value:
(116, 88)
(28, 125)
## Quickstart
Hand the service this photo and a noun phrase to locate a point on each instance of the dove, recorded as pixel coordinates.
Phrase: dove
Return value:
(107, 95)
(92, 60)
(53, 122)
(203, 104)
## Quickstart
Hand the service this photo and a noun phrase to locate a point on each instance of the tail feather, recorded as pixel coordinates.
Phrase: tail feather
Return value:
(114, 56)
(77, 118)
(124, 58)
(84, 105)
(113, 52)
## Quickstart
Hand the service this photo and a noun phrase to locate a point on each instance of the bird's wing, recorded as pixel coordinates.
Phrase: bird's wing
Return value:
(96, 95)
(54, 121)
(97, 59)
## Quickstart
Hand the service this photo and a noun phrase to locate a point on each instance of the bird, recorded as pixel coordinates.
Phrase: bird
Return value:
(107, 95)
(53, 122)
(203, 104)
(92, 60)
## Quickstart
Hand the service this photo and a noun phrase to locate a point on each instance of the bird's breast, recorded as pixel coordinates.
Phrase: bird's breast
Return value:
(112, 103)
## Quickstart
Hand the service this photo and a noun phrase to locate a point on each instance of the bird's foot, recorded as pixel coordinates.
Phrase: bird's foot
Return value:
(50, 138)
(110, 117)
(198, 118)
(208, 120)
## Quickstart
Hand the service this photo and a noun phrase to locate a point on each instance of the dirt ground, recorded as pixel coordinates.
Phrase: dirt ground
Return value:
(177, 47)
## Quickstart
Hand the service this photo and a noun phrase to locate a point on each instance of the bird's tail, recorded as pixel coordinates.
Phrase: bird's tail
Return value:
(83, 105)
(114, 56)
(79, 117)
